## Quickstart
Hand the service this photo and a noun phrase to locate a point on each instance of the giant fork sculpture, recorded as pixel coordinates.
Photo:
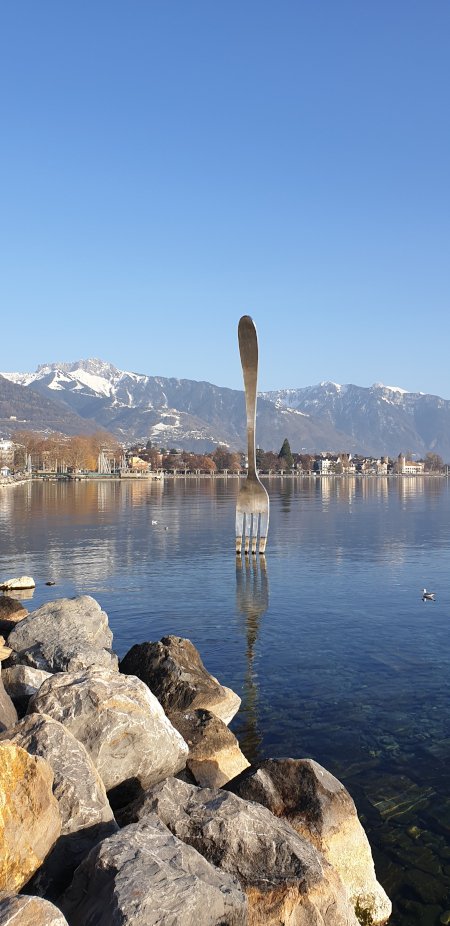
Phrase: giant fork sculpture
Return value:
(253, 500)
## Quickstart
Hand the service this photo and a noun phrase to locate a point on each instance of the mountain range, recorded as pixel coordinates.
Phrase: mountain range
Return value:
(86, 395)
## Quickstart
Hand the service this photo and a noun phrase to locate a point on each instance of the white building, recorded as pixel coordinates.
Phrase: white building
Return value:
(6, 452)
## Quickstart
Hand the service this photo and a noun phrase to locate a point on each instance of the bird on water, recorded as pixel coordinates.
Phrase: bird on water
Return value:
(428, 596)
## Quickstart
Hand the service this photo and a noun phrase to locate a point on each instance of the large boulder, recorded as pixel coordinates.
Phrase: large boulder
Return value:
(319, 808)
(30, 821)
(11, 611)
(21, 682)
(173, 670)
(22, 582)
(64, 636)
(214, 753)
(20, 910)
(77, 785)
(144, 876)
(120, 722)
(286, 879)
(8, 713)
(86, 815)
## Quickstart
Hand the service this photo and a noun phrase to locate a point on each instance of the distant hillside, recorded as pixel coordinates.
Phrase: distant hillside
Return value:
(28, 409)
(385, 418)
(194, 415)
(89, 394)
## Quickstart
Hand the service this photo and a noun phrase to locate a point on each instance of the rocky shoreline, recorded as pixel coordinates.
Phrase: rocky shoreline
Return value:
(125, 798)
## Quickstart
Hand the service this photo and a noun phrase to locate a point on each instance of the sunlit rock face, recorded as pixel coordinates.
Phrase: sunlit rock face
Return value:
(64, 636)
(173, 670)
(319, 807)
(144, 875)
(30, 822)
(119, 721)
(286, 879)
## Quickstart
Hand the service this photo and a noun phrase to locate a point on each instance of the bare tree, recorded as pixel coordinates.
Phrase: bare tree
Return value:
(433, 463)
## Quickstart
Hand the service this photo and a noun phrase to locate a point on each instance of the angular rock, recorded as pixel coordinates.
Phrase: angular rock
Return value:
(77, 785)
(144, 876)
(8, 713)
(30, 822)
(20, 910)
(86, 815)
(20, 683)
(174, 672)
(67, 635)
(22, 582)
(319, 808)
(214, 754)
(120, 722)
(286, 879)
(11, 611)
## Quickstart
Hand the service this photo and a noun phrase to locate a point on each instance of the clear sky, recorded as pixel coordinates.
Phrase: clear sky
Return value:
(169, 165)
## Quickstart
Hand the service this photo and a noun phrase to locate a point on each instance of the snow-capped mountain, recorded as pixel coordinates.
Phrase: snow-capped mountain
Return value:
(187, 413)
(198, 415)
(386, 418)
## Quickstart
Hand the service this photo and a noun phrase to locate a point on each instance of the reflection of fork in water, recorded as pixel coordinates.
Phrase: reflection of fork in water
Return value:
(252, 600)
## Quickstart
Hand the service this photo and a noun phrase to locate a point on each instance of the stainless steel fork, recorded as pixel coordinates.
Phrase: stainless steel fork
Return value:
(252, 503)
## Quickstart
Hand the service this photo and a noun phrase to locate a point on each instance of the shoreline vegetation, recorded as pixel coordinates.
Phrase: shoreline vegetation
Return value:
(101, 454)
(124, 780)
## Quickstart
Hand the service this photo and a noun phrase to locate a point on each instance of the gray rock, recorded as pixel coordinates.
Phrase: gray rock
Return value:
(64, 636)
(77, 785)
(144, 876)
(86, 815)
(20, 910)
(23, 681)
(173, 670)
(8, 713)
(118, 720)
(214, 753)
(319, 807)
(287, 881)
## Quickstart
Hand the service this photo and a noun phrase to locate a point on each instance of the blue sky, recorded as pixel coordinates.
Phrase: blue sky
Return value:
(166, 167)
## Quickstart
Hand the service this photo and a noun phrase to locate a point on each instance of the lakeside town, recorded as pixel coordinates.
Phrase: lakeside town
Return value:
(29, 455)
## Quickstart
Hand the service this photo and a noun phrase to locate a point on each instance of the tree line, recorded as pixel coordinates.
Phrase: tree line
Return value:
(59, 452)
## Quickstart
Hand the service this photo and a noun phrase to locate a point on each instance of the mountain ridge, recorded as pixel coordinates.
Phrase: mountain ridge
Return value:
(198, 415)
(188, 413)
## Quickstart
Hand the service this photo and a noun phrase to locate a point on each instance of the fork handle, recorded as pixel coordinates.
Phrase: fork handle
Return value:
(248, 349)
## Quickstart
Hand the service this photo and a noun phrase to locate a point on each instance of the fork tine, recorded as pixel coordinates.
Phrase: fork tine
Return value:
(239, 530)
(255, 521)
(263, 531)
(248, 530)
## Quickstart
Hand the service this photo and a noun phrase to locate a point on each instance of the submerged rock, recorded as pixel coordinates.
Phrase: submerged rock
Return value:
(146, 877)
(119, 721)
(20, 910)
(214, 753)
(30, 821)
(64, 636)
(285, 878)
(174, 672)
(319, 808)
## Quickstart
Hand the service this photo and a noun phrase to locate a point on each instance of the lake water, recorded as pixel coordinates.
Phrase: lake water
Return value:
(327, 640)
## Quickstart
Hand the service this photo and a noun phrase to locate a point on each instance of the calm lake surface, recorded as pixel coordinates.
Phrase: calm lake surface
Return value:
(327, 641)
